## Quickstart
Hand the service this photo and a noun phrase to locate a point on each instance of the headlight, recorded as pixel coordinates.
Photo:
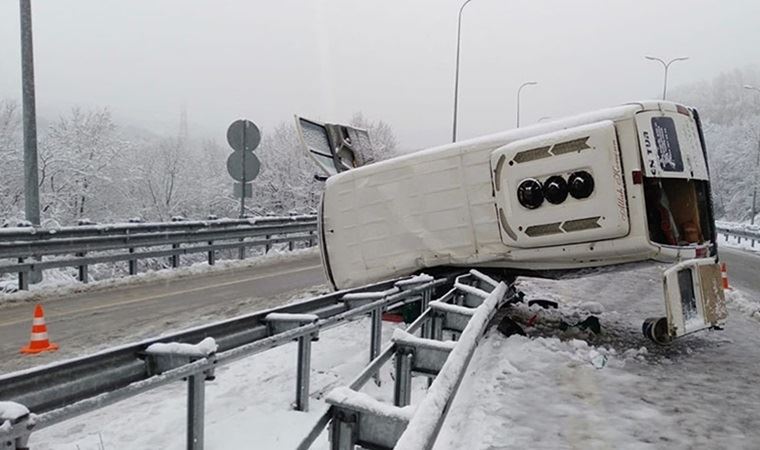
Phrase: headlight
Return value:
(530, 193)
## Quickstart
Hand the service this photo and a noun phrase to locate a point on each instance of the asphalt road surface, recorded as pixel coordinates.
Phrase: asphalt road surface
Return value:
(743, 268)
(87, 322)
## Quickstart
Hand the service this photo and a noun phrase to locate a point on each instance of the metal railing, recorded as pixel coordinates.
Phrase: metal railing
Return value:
(358, 419)
(64, 390)
(85, 245)
(739, 234)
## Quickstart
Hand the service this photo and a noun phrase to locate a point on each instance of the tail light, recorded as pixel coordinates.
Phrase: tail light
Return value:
(530, 193)
(581, 184)
(555, 190)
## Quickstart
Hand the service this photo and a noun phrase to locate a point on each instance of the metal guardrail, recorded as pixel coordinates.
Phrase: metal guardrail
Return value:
(740, 234)
(64, 390)
(74, 246)
(358, 419)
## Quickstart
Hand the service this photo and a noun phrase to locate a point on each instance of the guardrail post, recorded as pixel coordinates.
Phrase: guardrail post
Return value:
(23, 278)
(195, 408)
(425, 330)
(241, 251)
(211, 255)
(437, 326)
(311, 239)
(268, 245)
(343, 429)
(132, 264)
(375, 339)
(84, 276)
(304, 370)
(175, 258)
(376, 336)
(402, 390)
(290, 246)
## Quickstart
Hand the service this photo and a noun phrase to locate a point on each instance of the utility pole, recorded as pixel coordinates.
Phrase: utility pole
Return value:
(754, 190)
(757, 167)
(666, 66)
(31, 182)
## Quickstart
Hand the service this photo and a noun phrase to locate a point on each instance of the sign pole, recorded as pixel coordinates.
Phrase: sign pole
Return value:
(242, 197)
(243, 135)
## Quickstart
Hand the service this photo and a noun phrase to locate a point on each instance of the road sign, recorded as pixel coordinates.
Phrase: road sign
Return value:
(243, 167)
(243, 135)
(237, 190)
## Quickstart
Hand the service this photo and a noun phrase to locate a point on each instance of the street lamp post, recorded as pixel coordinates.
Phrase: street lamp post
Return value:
(757, 168)
(456, 74)
(666, 66)
(519, 90)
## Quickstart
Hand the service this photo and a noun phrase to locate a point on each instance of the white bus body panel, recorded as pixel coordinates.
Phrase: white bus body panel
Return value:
(592, 148)
(439, 206)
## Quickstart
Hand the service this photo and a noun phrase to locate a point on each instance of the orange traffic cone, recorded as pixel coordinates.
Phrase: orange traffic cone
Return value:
(39, 341)
(724, 275)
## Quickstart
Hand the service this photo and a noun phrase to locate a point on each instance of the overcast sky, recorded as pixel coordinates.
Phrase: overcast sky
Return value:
(391, 59)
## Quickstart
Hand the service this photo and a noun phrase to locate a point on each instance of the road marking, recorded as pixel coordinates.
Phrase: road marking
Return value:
(158, 296)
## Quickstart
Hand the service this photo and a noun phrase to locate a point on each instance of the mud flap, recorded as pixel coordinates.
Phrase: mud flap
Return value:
(694, 297)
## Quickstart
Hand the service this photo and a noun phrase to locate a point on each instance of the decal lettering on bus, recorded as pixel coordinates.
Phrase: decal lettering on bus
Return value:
(668, 149)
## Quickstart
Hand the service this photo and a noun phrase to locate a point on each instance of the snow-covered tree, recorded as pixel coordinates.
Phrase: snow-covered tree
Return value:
(286, 182)
(731, 118)
(76, 165)
(89, 167)
(380, 133)
(11, 163)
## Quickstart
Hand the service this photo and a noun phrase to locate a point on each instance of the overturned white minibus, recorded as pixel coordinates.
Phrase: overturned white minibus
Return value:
(623, 184)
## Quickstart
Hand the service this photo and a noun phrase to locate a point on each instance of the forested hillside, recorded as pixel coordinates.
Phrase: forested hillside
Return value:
(91, 168)
(731, 116)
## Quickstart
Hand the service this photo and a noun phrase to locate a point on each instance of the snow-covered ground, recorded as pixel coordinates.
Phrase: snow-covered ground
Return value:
(555, 390)
(550, 390)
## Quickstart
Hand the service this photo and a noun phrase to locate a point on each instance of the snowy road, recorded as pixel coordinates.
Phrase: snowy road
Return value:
(85, 322)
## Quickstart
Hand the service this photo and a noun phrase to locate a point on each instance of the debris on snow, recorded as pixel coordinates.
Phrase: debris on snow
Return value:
(592, 307)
